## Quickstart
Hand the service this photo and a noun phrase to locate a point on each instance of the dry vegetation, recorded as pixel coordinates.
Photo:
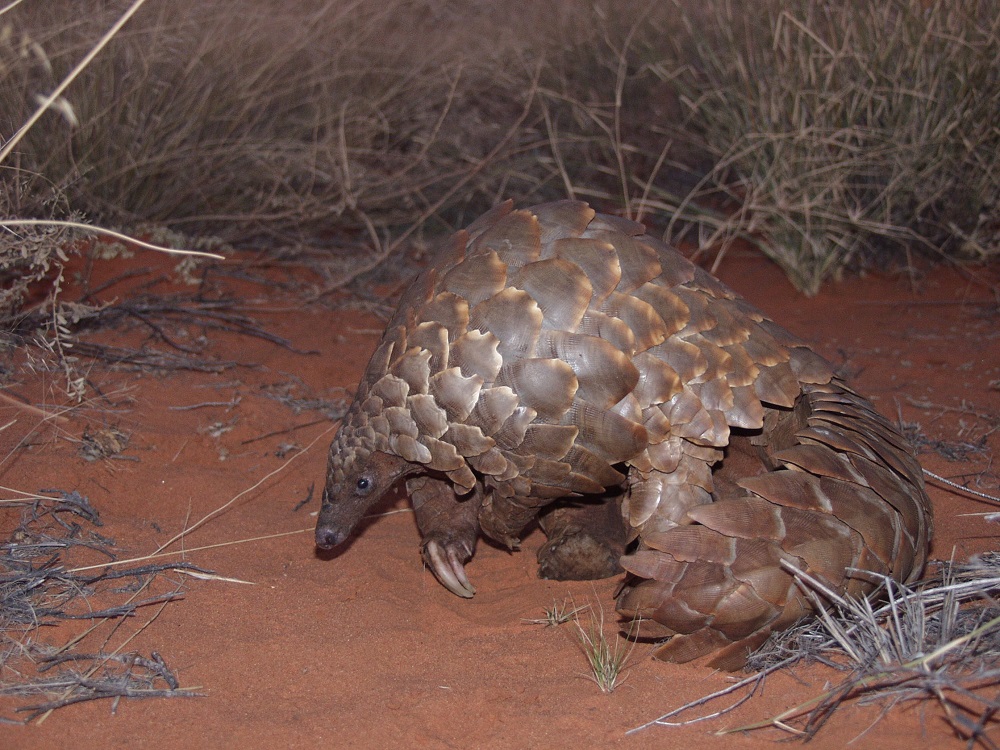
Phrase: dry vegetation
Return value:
(832, 135)
(291, 123)
(848, 133)
(43, 583)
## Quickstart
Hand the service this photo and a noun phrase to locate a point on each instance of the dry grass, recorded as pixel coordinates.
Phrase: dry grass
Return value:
(608, 658)
(558, 614)
(255, 121)
(57, 566)
(847, 133)
(844, 132)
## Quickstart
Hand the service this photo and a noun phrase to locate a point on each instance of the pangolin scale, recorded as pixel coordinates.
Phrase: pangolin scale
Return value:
(559, 365)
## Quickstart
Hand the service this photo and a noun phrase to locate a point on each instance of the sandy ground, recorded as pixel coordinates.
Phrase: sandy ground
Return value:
(363, 648)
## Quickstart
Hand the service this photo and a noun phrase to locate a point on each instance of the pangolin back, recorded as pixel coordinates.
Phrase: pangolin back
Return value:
(553, 352)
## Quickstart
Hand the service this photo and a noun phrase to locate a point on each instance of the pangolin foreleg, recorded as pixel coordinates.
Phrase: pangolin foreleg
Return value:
(449, 527)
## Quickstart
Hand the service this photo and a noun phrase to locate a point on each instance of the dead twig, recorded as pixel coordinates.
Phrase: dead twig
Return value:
(38, 587)
(140, 359)
(22, 404)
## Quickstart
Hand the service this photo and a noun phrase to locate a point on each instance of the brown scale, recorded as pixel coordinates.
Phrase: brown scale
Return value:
(561, 366)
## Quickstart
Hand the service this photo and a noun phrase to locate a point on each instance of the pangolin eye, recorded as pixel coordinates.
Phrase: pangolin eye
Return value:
(364, 485)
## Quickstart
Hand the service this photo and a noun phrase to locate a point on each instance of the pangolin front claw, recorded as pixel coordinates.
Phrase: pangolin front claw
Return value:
(448, 566)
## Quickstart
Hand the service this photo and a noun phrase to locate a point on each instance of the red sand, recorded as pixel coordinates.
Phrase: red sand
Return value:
(366, 649)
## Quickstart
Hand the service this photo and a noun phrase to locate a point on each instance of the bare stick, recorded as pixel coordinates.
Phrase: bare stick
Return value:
(107, 232)
(189, 550)
(80, 67)
(48, 416)
(957, 486)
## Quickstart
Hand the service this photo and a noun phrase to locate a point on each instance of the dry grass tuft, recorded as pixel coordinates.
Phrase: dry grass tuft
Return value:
(558, 614)
(921, 645)
(608, 658)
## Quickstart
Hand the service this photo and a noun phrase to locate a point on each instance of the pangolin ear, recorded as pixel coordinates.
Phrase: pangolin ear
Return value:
(385, 468)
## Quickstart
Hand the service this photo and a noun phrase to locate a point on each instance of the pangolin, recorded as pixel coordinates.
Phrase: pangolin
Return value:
(557, 365)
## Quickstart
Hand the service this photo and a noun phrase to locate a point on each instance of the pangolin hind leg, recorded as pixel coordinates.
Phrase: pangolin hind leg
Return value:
(586, 539)
(449, 526)
(503, 519)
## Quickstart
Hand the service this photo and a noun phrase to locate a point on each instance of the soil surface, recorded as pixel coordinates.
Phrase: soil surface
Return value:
(291, 648)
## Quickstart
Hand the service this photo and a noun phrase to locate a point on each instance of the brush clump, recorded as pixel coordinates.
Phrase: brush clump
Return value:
(43, 583)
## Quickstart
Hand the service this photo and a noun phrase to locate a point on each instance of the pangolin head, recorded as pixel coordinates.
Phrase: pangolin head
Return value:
(399, 425)
(358, 474)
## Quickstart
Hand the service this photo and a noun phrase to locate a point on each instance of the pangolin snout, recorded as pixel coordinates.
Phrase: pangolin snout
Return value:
(336, 520)
(328, 537)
